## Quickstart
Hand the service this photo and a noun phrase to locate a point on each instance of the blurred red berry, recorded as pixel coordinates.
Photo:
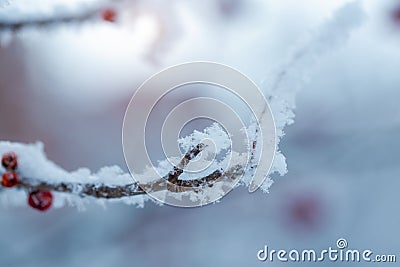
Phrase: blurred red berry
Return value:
(9, 179)
(230, 8)
(109, 15)
(396, 15)
(40, 200)
(305, 211)
(9, 161)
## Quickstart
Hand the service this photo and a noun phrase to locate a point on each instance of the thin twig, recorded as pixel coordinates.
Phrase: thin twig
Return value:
(94, 190)
(178, 170)
(15, 26)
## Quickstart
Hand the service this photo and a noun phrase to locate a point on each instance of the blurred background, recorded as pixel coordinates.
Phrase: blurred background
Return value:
(68, 86)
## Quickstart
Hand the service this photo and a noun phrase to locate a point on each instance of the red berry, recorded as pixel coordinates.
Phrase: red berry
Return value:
(109, 15)
(40, 200)
(9, 161)
(396, 15)
(9, 179)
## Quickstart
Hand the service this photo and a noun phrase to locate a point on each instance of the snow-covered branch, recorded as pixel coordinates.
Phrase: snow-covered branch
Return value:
(101, 190)
(35, 173)
(282, 83)
(17, 17)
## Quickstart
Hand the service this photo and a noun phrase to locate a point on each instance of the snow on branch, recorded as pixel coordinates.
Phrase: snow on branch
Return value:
(282, 83)
(37, 173)
(47, 22)
(101, 190)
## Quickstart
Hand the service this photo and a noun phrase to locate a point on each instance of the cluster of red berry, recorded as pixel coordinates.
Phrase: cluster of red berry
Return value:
(40, 200)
